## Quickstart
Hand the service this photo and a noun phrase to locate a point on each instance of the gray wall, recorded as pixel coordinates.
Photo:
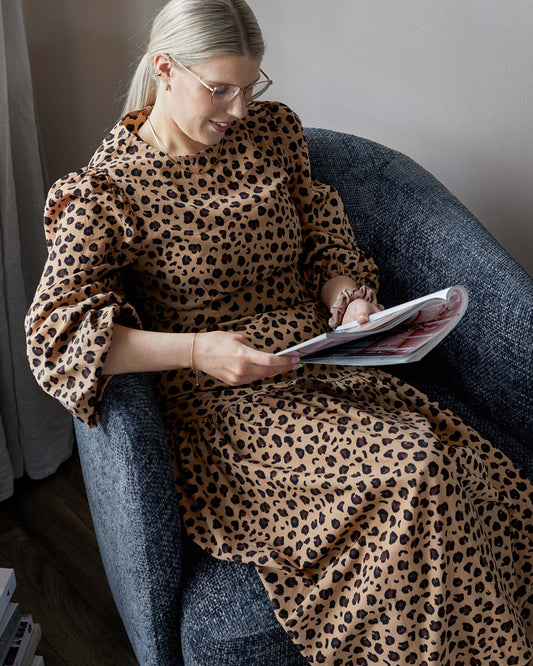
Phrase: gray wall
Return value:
(82, 55)
(446, 81)
(449, 82)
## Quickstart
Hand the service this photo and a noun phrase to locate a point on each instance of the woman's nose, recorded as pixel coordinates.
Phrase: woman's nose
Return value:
(237, 106)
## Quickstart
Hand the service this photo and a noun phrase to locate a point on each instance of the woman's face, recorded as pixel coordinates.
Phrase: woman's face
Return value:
(190, 117)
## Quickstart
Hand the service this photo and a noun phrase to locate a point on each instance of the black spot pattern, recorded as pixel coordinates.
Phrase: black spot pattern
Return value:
(384, 529)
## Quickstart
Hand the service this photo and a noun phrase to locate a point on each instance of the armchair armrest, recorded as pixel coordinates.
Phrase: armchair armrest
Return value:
(423, 239)
(129, 480)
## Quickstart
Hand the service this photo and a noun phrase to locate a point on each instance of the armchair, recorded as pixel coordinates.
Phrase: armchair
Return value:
(179, 605)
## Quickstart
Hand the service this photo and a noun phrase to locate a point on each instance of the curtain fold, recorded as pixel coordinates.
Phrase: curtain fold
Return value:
(36, 432)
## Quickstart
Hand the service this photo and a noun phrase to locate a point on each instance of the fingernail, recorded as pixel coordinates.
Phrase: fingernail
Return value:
(300, 365)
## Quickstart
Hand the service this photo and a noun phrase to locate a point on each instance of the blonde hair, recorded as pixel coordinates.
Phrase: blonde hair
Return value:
(192, 31)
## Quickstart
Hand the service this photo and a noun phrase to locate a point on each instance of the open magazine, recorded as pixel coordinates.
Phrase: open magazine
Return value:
(401, 334)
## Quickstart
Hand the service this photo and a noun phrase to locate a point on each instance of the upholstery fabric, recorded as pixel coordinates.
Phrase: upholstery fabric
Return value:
(130, 487)
(168, 591)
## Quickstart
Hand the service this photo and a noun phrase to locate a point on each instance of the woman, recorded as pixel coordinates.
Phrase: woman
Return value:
(375, 519)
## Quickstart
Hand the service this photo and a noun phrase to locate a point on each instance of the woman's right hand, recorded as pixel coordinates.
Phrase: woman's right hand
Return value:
(232, 358)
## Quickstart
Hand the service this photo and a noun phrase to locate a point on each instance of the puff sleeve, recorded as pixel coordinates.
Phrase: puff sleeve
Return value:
(91, 235)
(329, 245)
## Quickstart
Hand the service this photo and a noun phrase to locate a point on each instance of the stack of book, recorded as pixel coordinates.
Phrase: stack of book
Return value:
(19, 634)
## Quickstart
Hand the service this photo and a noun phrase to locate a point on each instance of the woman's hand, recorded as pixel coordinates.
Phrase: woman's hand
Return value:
(233, 359)
(359, 311)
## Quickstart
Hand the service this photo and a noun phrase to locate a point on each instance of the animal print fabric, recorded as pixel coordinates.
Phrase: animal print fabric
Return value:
(384, 529)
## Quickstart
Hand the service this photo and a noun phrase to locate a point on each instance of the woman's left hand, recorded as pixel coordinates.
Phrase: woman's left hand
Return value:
(359, 311)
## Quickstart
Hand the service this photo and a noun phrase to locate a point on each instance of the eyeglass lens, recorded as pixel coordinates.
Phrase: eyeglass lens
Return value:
(224, 94)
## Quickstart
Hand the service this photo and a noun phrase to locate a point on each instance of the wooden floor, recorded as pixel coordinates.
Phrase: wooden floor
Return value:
(47, 536)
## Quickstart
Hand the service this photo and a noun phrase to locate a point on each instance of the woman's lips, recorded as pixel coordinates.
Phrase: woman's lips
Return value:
(219, 127)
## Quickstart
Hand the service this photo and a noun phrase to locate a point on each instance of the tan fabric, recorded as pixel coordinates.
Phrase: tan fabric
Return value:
(383, 528)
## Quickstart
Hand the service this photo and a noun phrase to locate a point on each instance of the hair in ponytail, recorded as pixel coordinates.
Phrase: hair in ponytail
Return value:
(143, 88)
(192, 31)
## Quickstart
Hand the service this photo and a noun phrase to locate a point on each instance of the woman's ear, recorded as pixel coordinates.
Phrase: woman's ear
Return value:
(163, 67)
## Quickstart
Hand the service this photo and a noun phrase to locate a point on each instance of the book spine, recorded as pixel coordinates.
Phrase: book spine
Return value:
(19, 645)
(7, 587)
(32, 645)
(8, 627)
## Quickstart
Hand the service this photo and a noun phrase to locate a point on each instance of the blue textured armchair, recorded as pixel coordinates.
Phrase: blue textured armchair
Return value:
(180, 605)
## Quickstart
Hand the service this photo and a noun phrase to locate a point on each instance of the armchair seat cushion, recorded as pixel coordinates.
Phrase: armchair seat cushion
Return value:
(227, 618)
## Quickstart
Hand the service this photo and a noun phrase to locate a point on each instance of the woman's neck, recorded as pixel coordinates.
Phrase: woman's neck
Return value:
(163, 133)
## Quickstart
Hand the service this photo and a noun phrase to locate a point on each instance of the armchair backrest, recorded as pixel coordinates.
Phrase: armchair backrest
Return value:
(423, 239)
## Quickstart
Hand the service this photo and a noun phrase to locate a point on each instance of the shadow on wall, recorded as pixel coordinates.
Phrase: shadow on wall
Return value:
(82, 55)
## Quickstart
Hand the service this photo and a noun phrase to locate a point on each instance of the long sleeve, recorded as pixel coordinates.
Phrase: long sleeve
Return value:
(329, 245)
(91, 235)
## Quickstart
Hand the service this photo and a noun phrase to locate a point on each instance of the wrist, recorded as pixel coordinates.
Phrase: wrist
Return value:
(334, 286)
(198, 352)
(192, 363)
(345, 297)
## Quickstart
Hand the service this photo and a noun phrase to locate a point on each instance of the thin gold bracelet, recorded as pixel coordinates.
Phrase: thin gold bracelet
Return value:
(195, 370)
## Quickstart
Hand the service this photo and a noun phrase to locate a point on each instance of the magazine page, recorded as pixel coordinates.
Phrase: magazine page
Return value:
(397, 335)
(405, 343)
(390, 314)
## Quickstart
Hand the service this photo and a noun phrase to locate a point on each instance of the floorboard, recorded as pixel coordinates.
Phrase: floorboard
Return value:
(47, 536)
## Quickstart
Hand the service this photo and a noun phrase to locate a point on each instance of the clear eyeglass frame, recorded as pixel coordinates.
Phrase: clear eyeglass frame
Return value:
(224, 94)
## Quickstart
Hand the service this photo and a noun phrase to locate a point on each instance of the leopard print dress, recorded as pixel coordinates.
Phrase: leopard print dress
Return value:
(384, 529)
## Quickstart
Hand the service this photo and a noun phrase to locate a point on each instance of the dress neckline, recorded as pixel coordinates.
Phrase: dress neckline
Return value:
(203, 159)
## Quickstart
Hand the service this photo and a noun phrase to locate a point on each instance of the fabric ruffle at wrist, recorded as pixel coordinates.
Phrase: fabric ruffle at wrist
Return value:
(344, 298)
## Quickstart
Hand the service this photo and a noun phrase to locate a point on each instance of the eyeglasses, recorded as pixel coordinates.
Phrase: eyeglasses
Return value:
(223, 94)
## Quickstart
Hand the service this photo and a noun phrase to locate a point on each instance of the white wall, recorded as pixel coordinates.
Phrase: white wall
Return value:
(448, 82)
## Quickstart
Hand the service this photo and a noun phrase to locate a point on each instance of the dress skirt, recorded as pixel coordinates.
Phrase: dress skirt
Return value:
(384, 530)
